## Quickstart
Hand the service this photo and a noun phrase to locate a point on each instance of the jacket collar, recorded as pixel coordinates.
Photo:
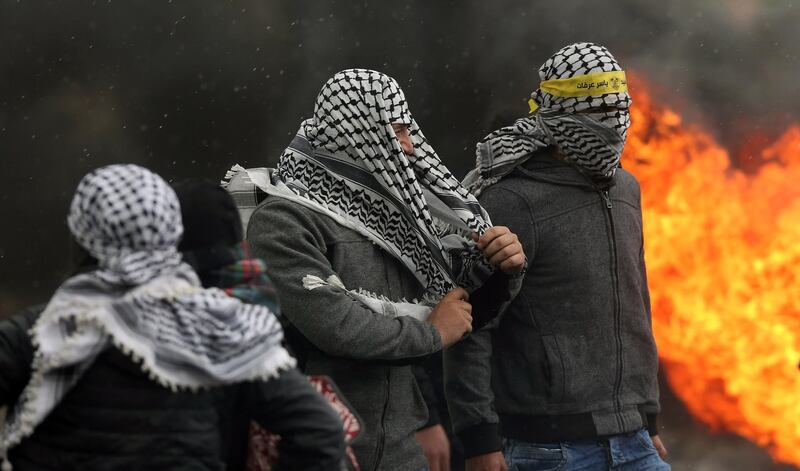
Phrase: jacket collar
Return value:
(545, 166)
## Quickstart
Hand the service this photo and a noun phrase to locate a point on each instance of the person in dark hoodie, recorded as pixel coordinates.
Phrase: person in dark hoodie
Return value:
(368, 238)
(567, 377)
(128, 364)
(213, 245)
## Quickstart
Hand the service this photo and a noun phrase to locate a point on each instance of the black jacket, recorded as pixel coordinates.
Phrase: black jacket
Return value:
(574, 355)
(16, 353)
(115, 418)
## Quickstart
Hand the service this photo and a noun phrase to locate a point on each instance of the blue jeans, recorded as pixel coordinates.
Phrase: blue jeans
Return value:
(626, 452)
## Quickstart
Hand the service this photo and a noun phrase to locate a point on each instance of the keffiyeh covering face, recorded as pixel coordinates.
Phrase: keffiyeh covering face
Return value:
(575, 81)
(142, 299)
(346, 162)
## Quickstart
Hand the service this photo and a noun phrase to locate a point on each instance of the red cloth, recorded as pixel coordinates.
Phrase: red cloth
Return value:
(262, 453)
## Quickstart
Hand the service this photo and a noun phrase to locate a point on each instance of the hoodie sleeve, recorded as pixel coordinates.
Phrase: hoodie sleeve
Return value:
(427, 387)
(290, 240)
(468, 364)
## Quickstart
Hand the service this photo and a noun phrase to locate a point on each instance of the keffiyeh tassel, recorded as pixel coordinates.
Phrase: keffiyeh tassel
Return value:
(144, 301)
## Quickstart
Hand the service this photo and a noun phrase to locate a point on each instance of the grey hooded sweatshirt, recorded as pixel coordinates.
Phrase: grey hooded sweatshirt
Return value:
(368, 355)
(573, 357)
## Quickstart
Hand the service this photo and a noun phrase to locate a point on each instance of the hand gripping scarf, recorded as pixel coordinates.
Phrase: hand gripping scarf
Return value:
(346, 162)
(576, 80)
(143, 300)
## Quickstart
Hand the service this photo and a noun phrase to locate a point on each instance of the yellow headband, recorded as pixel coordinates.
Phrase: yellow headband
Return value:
(595, 84)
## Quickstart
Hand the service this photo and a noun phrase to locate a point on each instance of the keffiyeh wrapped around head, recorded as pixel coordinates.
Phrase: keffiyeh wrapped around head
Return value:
(141, 299)
(581, 107)
(346, 162)
(124, 216)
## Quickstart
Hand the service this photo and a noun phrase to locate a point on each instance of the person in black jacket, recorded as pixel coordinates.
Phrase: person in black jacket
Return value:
(135, 366)
(567, 377)
(213, 245)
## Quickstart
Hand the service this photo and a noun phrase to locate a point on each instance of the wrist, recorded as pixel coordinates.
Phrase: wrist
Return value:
(438, 340)
(433, 418)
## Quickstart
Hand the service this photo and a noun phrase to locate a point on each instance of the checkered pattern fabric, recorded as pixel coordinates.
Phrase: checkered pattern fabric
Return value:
(589, 131)
(124, 216)
(142, 300)
(347, 162)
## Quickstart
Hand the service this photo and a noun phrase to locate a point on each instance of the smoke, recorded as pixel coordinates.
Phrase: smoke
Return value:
(190, 88)
(730, 64)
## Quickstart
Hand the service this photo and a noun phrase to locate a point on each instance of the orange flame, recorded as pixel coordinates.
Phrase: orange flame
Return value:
(723, 259)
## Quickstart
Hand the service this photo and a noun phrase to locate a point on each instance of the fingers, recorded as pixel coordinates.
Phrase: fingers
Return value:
(505, 253)
(491, 234)
(503, 249)
(457, 293)
(466, 320)
(501, 242)
(436, 447)
(513, 264)
(467, 308)
(466, 316)
(453, 316)
(440, 461)
(662, 450)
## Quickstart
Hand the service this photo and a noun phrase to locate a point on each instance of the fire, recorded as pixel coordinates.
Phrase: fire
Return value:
(723, 259)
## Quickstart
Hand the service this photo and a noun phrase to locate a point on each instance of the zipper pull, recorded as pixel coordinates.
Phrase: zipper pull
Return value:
(607, 199)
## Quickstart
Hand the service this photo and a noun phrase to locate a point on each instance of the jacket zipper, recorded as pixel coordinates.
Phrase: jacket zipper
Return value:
(382, 435)
(617, 306)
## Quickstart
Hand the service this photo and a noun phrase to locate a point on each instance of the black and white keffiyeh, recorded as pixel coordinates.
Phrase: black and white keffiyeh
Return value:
(142, 299)
(581, 106)
(347, 162)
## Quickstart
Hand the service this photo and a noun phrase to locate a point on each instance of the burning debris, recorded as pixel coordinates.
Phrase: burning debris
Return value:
(723, 259)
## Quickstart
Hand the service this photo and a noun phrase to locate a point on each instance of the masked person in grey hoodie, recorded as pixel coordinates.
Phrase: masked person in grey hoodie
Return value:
(369, 242)
(567, 376)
